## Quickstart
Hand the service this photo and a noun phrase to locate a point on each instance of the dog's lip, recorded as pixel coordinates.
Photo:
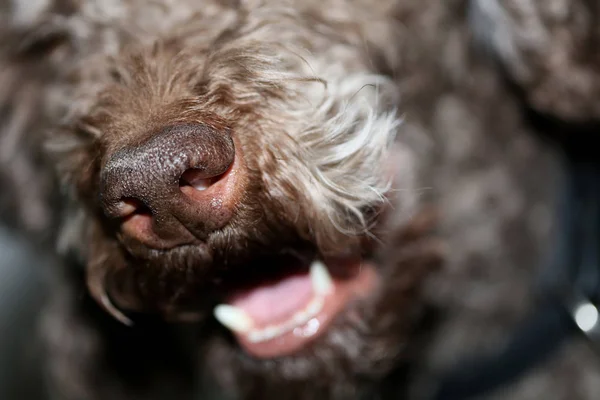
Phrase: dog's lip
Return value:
(277, 335)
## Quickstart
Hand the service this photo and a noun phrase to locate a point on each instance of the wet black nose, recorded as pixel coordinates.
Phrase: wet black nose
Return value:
(143, 184)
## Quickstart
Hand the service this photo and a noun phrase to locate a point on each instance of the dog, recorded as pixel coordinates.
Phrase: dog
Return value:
(248, 196)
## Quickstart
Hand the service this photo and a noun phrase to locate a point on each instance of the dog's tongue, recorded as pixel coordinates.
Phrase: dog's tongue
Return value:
(272, 302)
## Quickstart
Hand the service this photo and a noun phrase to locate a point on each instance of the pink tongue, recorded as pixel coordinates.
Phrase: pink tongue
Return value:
(274, 302)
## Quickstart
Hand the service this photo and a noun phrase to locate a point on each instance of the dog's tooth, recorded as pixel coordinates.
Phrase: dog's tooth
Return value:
(311, 328)
(321, 280)
(315, 306)
(289, 324)
(300, 318)
(255, 336)
(233, 318)
(271, 332)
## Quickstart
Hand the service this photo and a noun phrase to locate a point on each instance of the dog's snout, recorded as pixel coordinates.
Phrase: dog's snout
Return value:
(168, 190)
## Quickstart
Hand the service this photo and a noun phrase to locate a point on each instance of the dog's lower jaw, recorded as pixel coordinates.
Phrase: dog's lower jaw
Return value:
(364, 344)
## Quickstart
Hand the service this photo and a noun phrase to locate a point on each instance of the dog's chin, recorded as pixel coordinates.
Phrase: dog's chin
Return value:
(335, 350)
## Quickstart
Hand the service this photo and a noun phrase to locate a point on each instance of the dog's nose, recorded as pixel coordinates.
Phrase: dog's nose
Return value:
(168, 190)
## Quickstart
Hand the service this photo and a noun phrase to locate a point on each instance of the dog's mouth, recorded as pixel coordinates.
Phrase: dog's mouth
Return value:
(283, 313)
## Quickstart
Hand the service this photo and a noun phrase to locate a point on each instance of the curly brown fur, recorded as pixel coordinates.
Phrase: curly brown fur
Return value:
(296, 88)
(311, 93)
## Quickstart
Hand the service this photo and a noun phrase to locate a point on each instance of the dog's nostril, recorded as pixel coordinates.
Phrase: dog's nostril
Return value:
(197, 179)
(129, 206)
